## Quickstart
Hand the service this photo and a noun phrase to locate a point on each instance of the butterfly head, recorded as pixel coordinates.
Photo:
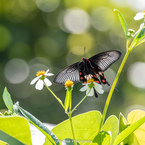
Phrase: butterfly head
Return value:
(85, 59)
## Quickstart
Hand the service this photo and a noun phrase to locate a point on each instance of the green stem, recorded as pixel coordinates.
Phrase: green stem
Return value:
(54, 95)
(80, 102)
(113, 87)
(71, 124)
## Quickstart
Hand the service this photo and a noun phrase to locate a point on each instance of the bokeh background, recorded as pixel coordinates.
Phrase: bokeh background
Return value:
(41, 34)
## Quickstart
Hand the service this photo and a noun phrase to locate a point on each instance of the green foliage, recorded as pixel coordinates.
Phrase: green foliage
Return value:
(129, 130)
(86, 127)
(8, 101)
(111, 125)
(17, 127)
(122, 123)
(52, 138)
(138, 136)
(122, 21)
(103, 138)
(9, 139)
(3, 143)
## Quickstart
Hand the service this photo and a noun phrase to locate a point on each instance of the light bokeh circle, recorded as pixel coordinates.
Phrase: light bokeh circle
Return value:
(136, 74)
(16, 71)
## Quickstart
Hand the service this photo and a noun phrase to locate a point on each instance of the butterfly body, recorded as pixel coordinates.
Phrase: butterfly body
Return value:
(91, 68)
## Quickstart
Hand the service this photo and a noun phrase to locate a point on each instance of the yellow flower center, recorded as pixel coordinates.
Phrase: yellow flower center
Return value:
(91, 80)
(42, 72)
(68, 83)
(143, 11)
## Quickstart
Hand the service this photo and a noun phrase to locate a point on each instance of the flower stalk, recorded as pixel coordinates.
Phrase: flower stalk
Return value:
(112, 88)
(60, 102)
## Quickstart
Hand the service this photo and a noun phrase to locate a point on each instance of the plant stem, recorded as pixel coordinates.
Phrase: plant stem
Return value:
(71, 124)
(113, 87)
(80, 102)
(54, 96)
(70, 119)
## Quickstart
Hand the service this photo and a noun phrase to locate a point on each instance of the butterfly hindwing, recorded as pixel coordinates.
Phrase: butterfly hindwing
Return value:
(71, 72)
(105, 59)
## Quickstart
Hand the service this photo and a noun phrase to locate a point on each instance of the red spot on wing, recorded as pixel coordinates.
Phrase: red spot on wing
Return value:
(103, 81)
(98, 82)
(81, 78)
(84, 82)
(80, 73)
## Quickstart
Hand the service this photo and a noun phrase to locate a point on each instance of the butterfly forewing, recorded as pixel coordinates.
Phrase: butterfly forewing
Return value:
(105, 59)
(71, 72)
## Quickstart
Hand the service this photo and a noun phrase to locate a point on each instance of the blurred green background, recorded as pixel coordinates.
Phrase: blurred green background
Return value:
(40, 34)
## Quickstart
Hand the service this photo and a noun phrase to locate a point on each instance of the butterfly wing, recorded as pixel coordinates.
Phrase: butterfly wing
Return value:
(71, 72)
(105, 59)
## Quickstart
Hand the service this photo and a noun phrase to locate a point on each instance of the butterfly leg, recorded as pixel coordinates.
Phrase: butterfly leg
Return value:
(95, 93)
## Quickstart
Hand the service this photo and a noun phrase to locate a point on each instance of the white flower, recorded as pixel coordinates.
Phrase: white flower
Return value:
(139, 15)
(92, 85)
(41, 79)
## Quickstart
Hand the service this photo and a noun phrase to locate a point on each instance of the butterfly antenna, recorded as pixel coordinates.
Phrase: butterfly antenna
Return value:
(84, 51)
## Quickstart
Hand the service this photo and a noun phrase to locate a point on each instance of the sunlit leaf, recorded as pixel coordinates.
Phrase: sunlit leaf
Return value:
(141, 41)
(123, 22)
(86, 127)
(69, 141)
(9, 139)
(139, 35)
(3, 143)
(17, 127)
(50, 135)
(7, 100)
(129, 130)
(103, 138)
(122, 123)
(139, 134)
(111, 124)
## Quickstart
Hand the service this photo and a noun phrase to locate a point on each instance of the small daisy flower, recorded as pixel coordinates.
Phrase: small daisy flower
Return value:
(91, 84)
(140, 15)
(68, 83)
(41, 79)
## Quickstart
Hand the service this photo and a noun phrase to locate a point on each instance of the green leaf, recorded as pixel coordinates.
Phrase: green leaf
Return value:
(17, 127)
(138, 136)
(122, 123)
(139, 35)
(129, 130)
(140, 41)
(7, 100)
(50, 135)
(111, 124)
(69, 141)
(123, 22)
(3, 143)
(9, 139)
(86, 127)
(103, 138)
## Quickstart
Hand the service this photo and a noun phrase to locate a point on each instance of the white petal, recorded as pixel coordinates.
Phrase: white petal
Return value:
(34, 80)
(98, 88)
(91, 92)
(47, 82)
(39, 85)
(49, 74)
(139, 16)
(47, 71)
(84, 88)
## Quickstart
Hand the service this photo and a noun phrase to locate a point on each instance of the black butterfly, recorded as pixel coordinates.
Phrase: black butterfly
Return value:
(89, 68)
